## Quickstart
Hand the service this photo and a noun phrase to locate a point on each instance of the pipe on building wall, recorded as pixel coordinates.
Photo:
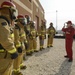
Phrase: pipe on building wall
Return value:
(11, 0)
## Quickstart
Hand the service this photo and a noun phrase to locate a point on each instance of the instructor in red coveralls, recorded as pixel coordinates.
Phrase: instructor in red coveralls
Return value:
(69, 32)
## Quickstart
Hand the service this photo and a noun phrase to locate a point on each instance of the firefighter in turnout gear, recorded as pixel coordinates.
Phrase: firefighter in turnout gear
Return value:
(8, 51)
(20, 41)
(27, 30)
(32, 37)
(51, 33)
(42, 35)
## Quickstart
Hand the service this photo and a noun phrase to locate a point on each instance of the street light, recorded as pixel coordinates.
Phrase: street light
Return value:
(56, 18)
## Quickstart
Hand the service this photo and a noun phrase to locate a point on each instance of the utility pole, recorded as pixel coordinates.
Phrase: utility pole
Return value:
(56, 19)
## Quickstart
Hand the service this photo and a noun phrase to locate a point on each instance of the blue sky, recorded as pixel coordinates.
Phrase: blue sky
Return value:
(65, 8)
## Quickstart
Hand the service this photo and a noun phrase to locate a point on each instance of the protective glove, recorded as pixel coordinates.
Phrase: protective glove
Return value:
(36, 35)
(54, 35)
(14, 55)
(45, 36)
(48, 36)
(27, 32)
(26, 45)
(19, 50)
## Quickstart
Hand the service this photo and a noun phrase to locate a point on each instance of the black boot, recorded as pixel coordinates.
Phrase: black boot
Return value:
(66, 56)
(70, 60)
(17, 73)
(23, 67)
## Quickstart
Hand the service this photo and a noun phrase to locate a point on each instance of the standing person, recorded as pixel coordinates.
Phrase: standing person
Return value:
(32, 38)
(20, 40)
(8, 51)
(51, 33)
(42, 35)
(27, 30)
(69, 32)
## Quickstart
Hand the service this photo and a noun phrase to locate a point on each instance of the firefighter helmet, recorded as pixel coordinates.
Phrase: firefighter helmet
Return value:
(20, 16)
(69, 22)
(22, 19)
(8, 4)
(13, 12)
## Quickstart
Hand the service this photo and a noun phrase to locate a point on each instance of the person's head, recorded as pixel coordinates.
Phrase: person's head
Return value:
(32, 24)
(21, 20)
(69, 23)
(51, 24)
(42, 27)
(28, 18)
(8, 9)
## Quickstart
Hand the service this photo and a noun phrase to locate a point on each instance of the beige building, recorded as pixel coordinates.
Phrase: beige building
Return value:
(33, 8)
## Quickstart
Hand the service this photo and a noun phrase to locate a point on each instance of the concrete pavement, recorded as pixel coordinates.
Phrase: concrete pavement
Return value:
(50, 61)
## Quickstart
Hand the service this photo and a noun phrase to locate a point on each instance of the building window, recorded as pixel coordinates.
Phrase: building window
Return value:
(30, 0)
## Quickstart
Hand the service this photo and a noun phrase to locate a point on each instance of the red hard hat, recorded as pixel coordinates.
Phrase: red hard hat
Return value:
(8, 4)
(20, 16)
(69, 22)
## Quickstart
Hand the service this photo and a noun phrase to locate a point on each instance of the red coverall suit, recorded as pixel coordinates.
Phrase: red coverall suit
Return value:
(69, 41)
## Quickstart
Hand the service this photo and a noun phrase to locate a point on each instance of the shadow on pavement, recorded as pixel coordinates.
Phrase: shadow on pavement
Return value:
(42, 52)
(39, 53)
(65, 68)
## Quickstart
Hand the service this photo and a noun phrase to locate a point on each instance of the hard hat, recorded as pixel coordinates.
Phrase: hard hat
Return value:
(20, 16)
(69, 22)
(13, 12)
(51, 24)
(22, 19)
(8, 4)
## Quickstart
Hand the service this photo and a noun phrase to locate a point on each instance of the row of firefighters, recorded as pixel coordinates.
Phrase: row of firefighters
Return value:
(19, 39)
